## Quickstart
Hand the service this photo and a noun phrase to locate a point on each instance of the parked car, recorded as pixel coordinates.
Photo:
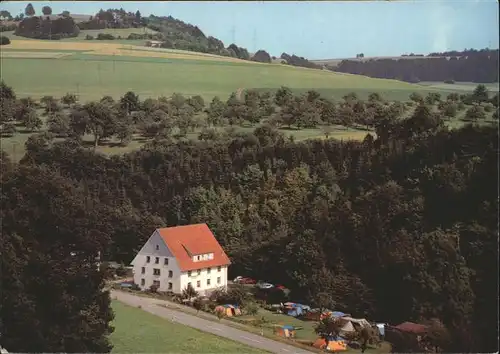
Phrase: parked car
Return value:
(237, 279)
(281, 287)
(264, 285)
(247, 281)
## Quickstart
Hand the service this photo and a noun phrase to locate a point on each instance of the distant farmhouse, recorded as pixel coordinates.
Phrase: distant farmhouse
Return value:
(175, 257)
(156, 44)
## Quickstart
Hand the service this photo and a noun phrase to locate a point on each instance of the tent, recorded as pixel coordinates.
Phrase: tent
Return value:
(333, 344)
(295, 310)
(381, 328)
(339, 314)
(285, 331)
(357, 322)
(347, 328)
(228, 310)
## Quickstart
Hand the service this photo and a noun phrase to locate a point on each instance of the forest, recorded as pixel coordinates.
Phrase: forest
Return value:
(401, 227)
(468, 66)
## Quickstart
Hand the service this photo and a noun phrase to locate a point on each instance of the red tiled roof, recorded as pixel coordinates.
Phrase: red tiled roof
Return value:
(190, 240)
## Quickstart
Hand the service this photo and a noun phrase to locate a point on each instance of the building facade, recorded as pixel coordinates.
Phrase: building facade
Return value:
(175, 257)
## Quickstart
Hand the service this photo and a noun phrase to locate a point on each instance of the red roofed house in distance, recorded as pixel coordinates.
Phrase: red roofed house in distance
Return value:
(174, 257)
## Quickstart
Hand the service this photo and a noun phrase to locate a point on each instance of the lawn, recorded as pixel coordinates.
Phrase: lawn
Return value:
(272, 319)
(137, 331)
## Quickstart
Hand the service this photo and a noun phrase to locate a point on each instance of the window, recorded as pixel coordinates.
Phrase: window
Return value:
(166, 261)
(148, 259)
(205, 257)
(210, 256)
(218, 280)
(198, 284)
(199, 271)
(170, 274)
(189, 273)
(143, 282)
(208, 281)
(219, 268)
(170, 286)
(198, 258)
(157, 260)
(143, 270)
(209, 270)
(156, 283)
(156, 271)
(157, 247)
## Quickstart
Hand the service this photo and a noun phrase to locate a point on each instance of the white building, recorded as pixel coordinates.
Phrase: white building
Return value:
(175, 257)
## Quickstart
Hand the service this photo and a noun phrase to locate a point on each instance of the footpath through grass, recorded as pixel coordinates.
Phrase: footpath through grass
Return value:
(137, 331)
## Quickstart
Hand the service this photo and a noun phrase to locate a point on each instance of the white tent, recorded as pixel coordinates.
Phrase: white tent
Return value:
(359, 321)
(347, 328)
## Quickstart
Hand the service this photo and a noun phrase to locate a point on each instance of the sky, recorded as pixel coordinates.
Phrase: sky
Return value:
(322, 30)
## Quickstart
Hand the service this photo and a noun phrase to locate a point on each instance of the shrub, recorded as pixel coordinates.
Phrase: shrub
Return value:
(4, 40)
(121, 271)
(475, 113)
(449, 81)
(251, 308)
(153, 288)
(105, 37)
(488, 107)
(88, 37)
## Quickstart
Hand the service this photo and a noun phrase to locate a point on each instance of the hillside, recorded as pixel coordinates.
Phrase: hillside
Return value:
(104, 68)
(480, 66)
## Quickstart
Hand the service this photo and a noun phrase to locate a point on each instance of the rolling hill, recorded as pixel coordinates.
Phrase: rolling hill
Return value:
(92, 69)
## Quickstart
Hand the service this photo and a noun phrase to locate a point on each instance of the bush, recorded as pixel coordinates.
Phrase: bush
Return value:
(475, 113)
(105, 37)
(88, 37)
(121, 271)
(449, 81)
(4, 40)
(488, 107)
(251, 308)
(153, 288)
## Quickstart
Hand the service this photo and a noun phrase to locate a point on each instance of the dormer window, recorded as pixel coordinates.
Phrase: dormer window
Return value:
(203, 257)
(157, 247)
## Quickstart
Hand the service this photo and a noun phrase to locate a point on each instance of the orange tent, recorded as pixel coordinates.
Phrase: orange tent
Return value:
(284, 331)
(332, 346)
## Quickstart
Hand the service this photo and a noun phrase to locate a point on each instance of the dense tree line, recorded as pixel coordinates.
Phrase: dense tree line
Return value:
(299, 61)
(47, 27)
(467, 66)
(398, 228)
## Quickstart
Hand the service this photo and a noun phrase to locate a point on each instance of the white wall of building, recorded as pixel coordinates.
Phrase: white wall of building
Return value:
(198, 279)
(170, 276)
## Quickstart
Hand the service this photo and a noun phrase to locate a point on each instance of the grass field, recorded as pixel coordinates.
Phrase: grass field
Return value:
(137, 331)
(92, 69)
